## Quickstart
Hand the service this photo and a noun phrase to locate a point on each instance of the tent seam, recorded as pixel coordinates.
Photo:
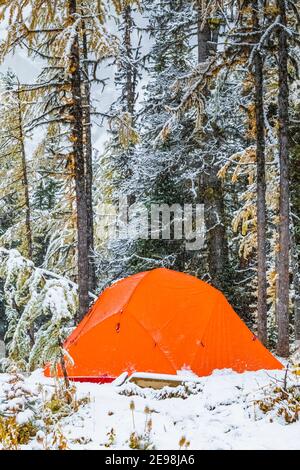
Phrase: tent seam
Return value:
(163, 353)
(115, 313)
(206, 327)
(133, 292)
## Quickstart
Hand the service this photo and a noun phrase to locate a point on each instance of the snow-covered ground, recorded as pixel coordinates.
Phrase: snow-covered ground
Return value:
(220, 414)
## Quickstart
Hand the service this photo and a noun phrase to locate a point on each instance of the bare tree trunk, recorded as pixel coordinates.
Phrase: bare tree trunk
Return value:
(25, 180)
(88, 161)
(284, 200)
(79, 163)
(261, 189)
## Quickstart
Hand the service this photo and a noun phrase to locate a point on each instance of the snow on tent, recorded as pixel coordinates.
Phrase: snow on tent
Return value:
(162, 321)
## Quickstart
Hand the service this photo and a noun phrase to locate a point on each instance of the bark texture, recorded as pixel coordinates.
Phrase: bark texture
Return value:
(210, 185)
(25, 181)
(88, 160)
(79, 169)
(284, 199)
(261, 188)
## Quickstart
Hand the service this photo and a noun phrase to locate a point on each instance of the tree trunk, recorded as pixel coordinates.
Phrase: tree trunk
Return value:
(79, 164)
(215, 227)
(204, 35)
(284, 197)
(25, 181)
(261, 189)
(211, 186)
(88, 161)
(130, 86)
(130, 75)
(296, 282)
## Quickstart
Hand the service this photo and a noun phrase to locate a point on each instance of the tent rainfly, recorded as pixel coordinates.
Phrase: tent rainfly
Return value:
(162, 321)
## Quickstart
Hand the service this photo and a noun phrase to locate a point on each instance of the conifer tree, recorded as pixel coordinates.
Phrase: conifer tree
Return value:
(160, 161)
(59, 35)
(115, 167)
(210, 187)
(54, 205)
(36, 301)
(14, 175)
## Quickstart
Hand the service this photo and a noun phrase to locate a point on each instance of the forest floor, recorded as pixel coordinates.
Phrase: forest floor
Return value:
(219, 413)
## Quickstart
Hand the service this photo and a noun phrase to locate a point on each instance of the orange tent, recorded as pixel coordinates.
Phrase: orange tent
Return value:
(162, 321)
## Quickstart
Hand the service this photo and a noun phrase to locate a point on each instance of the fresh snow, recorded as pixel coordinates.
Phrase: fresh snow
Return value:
(184, 376)
(220, 413)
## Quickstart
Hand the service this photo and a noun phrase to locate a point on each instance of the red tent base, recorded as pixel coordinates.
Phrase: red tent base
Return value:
(95, 380)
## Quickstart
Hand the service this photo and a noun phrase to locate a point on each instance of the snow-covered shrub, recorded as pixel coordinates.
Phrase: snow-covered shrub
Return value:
(182, 391)
(40, 307)
(63, 402)
(17, 418)
(285, 403)
(36, 415)
(13, 434)
(281, 399)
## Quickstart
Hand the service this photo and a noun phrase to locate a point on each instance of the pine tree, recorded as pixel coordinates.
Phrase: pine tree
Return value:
(251, 35)
(36, 301)
(210, 187)
(54, 205)
(115, 164)
(15, 190)
(160, 161)
(64, 36)
(77, 136)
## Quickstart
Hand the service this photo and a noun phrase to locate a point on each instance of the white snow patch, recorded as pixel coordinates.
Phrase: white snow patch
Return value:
(24, 416)
(221, 414)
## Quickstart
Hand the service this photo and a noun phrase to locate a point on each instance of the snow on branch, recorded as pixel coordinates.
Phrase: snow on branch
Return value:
(40, 306)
